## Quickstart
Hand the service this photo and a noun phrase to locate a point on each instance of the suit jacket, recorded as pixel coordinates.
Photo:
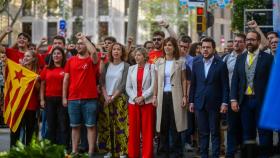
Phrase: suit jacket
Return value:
(147, 83)
(239, 80)
(177, 93)
(212, 91)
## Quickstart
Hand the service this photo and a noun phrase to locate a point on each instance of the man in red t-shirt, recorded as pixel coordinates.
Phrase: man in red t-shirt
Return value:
(16, 53)
(80, 92)
(58, 41)
(158, 37)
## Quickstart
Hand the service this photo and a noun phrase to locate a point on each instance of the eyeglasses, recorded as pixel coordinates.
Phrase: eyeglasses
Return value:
(275, 42)
(186, 47)
(250, 40)
(80, 44)
(236, 41)
(156, 39)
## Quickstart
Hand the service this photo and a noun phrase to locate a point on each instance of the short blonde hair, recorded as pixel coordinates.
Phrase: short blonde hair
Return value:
(143, 51)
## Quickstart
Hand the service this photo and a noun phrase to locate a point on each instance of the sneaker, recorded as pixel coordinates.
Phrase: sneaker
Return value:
(108, 155)
(188, 148)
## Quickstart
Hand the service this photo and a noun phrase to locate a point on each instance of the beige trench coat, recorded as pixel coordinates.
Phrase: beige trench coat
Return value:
(177, 93)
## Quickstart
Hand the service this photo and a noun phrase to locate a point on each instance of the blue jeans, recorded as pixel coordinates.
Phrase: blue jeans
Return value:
(82, 111)
(44, 129)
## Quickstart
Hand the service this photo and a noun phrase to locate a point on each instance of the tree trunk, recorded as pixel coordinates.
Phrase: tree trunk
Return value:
(132, 19)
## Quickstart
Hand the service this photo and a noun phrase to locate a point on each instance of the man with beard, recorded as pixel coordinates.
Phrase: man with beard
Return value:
(234, 135)
(248, 87)
(209, 96)
(80, 92)
(158, 37)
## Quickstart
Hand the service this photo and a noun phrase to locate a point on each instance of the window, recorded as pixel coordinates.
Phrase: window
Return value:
(52, 7)
(126, 7)
(27, 9)
(103, 7)
(52, 30)
(77, 7)
(27, 28)
(222, 29)
(77, 26)
(222, 13)
(102, 30)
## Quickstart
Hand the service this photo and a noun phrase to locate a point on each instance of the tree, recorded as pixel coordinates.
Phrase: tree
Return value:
(167, 9)
(238, 11)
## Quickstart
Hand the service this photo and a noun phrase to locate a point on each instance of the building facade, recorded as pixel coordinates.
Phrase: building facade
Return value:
(100, 18)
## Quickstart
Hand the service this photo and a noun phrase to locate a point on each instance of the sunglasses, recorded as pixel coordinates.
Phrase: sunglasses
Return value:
(156, 39)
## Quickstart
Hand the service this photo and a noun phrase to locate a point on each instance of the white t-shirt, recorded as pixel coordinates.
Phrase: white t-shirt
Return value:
(113, 77)
(167, 75)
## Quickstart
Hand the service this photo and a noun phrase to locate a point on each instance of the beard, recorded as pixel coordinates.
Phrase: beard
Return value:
(252, 48)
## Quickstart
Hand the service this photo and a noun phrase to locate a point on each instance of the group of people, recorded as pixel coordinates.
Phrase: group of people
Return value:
(117, 99)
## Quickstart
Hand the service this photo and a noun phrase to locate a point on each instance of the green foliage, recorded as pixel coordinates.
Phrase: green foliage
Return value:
(36, 149)
(238, 11)
(152, 9)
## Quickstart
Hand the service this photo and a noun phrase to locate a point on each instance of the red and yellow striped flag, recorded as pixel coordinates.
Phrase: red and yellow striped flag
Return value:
(19, 83)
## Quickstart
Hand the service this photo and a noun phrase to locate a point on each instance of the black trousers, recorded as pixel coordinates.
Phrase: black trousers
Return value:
(58, 121)
(168, 125)
(28, 123)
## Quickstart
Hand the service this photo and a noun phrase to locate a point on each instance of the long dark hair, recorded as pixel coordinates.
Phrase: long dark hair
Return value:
(176, 54)
(193, 47)
(51, 63)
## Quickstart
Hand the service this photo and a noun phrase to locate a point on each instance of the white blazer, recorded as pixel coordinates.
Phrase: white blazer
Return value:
(147, 83)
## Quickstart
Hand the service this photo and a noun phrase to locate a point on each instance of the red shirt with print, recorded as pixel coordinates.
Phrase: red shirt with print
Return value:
(154, 55)
(16, 56)
(54, 81)
(83, 75)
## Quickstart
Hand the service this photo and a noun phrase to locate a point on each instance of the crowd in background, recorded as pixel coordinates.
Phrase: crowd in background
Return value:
(170, 95)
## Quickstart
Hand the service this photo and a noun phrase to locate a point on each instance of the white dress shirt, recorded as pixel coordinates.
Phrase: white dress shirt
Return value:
(207, 64)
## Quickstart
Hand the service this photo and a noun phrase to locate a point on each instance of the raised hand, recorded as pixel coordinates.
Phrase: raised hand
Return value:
(8, 30)
(252, 24)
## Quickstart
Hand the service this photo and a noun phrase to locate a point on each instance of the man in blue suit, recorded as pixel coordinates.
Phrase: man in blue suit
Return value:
(209, 96)
(248, 87)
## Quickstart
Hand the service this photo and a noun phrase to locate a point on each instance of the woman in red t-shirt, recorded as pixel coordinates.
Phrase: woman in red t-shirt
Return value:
(51, 98)
(28, 121)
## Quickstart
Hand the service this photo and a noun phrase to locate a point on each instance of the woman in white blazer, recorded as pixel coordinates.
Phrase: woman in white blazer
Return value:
(141, 112)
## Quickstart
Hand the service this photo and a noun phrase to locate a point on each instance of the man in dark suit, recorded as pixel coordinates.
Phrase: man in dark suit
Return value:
(209, 96)
(248, 87)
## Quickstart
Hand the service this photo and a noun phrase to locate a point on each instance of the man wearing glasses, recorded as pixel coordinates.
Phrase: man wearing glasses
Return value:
(158, 37)
(248, 87)
(273, 45)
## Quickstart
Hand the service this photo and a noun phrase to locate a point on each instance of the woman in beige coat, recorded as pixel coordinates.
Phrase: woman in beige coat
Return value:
(170, 96)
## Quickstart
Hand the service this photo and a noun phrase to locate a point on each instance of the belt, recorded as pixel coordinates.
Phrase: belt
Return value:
(250, 96)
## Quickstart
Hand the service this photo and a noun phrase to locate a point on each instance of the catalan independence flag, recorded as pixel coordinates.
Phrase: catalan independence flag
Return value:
(19, 83)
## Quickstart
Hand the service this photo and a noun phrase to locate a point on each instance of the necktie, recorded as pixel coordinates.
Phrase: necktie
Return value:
(251, 59)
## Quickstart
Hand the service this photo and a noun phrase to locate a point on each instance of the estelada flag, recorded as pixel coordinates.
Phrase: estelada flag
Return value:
(19, 84)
